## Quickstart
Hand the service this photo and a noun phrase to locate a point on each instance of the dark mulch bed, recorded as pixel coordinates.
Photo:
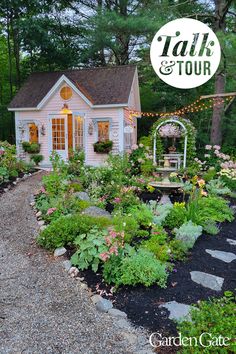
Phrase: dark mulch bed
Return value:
(9, 184)
(141, 304)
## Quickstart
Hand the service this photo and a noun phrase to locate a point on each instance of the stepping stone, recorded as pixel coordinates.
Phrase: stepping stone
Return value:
(177, 310)
(223, 256)
(231, 242)
(207, 280)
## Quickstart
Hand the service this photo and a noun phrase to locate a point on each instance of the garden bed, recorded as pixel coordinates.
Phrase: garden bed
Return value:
(10, 184)
(142, 304)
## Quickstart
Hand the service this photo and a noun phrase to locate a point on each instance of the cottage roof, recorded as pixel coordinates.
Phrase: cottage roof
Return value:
(101, 86)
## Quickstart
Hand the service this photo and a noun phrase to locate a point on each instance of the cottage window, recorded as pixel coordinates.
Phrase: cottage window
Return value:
(66, 93)
(33, 133)
(103, 130)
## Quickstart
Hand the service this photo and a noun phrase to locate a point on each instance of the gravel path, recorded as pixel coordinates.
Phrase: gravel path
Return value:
(42, 309)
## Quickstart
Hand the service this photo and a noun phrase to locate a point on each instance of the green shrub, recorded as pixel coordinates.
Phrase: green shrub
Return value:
(142, 267)
(64, 230)
(176, 216)
(158, 246)
(178, 250)
(55, 184)
(209, 175)
(215, 208)
(126, 223)
(188, 233)
(216, 317)
(36, 158)
(211, 227)
(142, 214)
(75, 187)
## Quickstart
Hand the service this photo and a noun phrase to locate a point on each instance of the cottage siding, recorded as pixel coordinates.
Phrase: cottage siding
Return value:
(76, 105)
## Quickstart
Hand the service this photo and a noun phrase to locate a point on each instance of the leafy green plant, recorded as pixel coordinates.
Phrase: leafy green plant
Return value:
(176, 216)
(178, 250)
(215, 317)
(142, 214)
(188, 233)
(89, 246)
(36, 159)
(160, 211)
(4, 174)
(103, 147)
(217, 187)
(142, 267)
(126, 223)
(211, 227)
(55, 184)
(64, 230)
(31, 148)
(157, 245)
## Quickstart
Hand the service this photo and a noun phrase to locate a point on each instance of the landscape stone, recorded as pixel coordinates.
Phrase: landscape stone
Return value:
(41, 223)
(38, 214)
(231, 242)
(130, 337)
(96, 298)
(117, 313)
(96, 211)
(82, 196)
(59, 251)
(43, 227)
(66, 265)
(207, 280)
(73, 272)
(123, 323)
(223, 256)
(104, 305)
(177, 310)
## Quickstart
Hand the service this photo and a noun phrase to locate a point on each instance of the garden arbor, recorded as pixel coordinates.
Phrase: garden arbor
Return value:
(173, 127)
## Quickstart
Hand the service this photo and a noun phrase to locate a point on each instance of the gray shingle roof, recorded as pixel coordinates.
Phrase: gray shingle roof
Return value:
(102, 85)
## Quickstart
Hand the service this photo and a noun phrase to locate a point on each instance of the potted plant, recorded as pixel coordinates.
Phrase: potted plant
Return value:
(103, 147)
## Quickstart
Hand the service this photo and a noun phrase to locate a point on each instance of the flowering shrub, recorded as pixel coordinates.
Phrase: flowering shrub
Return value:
(141, 159)
(170, 130)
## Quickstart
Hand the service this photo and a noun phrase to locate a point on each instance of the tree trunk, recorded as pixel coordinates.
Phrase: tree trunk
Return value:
(221, 9)
(218, 110)
(9, 56)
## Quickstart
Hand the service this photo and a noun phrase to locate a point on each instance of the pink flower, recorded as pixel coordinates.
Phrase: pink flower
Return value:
(113, 250)
(208, 147)
(134, 147)
(51, 210)
(117, 200)
(104, 256)
(2, 152)
(42, 190)
(112, 233)
(216, 147)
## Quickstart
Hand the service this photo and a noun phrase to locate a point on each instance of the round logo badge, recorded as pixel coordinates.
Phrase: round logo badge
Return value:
(185, 53)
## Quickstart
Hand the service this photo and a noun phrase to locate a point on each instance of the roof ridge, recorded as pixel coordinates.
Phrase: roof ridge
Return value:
(85, 68)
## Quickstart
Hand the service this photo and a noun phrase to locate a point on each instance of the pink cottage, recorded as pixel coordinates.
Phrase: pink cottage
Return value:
(76, 108)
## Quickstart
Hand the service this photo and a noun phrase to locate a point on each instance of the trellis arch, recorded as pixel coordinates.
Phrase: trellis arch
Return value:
(189, 135)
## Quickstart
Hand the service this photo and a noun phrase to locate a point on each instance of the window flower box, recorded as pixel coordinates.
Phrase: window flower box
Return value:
(103, 147)
(31, 148)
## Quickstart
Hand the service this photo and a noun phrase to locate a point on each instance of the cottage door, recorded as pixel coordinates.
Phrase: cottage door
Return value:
(59, 135)
(78, 130)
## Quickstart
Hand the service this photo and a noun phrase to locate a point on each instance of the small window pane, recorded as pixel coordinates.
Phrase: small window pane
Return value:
(103, 131)
(33, 133)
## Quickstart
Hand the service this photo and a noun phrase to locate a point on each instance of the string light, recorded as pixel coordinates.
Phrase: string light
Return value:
(196, 106)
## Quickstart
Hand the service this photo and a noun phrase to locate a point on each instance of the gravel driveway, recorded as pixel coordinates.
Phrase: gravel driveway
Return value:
(42, 309)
